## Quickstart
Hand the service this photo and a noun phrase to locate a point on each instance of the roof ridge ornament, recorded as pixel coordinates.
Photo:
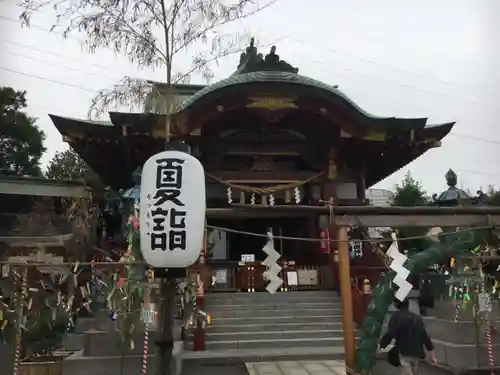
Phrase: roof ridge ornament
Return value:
(252, 61)
(451, 178)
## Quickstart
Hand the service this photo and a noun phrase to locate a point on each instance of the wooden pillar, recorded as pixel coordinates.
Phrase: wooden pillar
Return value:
(346, 295)
(329, 192)
(201, 277)
(199, 333)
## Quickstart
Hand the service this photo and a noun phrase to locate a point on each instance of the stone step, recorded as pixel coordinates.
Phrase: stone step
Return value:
(264, 326)
(291, 312)
(287, 301)
(225, 357)
(284, 296)
(264, 335)
(275, 306)
(85, 324)
(274, 343)
(271, 320)
(74, 342)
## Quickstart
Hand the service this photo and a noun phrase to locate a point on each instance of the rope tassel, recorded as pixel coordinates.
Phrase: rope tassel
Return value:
(489, 345)
(145, 351)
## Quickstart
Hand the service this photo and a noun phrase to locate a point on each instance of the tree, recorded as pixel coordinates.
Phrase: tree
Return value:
(21, 141)
(410, 193)
(67, 165)
(493, 197)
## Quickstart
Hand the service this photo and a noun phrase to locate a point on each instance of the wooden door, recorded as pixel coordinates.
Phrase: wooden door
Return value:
(250, 277)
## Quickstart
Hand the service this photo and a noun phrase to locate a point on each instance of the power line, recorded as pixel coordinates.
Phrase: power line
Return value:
(411, 87)
(344, 69)
(333, 50)
(320, 62)
(48, 80)
(41, 28)
(59, 55)
(475, 138)
(291, 38)
(374, 62)
(77, 70)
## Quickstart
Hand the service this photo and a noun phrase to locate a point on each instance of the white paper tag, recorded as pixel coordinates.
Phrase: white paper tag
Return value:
(148, 313)
(484, 302)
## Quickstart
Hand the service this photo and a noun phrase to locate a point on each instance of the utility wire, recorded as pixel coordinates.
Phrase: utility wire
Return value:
(490, 141)
(296, 40)
(299, 41)
(48, 80)
(59, 55)
(253, 234)
(77, 70)
(475, 138)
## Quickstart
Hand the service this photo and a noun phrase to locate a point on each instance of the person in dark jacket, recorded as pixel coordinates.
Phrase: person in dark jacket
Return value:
(408, 330)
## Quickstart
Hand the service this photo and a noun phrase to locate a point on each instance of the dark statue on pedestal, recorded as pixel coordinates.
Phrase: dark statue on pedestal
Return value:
(252, 61)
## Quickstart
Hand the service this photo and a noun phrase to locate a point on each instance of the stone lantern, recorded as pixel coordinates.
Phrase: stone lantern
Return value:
(452, 196)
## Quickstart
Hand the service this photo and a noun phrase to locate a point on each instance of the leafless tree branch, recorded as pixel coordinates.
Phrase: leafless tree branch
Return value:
(150, 33)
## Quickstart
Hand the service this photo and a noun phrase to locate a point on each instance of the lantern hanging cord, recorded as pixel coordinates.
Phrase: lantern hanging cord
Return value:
(267, 190)
(387, 240)
(228, 230)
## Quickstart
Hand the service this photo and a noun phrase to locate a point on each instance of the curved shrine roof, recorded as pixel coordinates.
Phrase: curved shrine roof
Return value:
(266, 74)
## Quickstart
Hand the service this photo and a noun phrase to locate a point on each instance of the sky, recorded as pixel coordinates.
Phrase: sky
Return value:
(435, 59)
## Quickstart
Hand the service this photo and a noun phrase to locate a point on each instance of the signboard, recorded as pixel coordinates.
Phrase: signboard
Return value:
(172, 210)
(484, 302)
(324, 236)
(248, 257)
(221, 276)
(148, 313)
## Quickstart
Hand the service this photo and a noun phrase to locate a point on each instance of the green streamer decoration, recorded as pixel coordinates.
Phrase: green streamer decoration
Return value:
(383, 294)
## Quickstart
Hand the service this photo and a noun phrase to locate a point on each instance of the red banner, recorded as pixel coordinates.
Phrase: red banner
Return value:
(324, 235)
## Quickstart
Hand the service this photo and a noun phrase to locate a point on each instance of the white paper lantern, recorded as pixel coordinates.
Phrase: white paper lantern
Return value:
(172, 210)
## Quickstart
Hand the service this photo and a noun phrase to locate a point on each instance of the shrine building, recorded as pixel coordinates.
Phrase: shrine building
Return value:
(266, 135)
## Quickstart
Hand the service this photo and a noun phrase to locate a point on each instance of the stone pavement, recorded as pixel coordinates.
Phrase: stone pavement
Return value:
(296, 368)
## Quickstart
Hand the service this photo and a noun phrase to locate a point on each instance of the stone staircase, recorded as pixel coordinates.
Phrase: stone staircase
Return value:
(293, 323)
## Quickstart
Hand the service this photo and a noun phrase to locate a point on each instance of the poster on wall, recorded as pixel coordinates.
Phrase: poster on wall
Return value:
(221, 276)
(291, 277)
